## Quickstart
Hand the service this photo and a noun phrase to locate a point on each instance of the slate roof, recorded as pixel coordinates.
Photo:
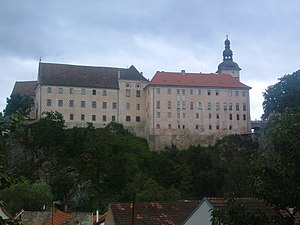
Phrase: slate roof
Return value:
(24, 88)
(85, 76)
(196, 80)
(154, 213)
(60, 217)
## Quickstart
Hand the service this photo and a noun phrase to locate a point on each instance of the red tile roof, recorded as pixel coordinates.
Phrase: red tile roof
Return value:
(154, 213)
(196, 80)
(59, 218)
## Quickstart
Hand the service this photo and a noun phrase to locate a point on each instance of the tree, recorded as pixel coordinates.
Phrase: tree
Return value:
(27, 196)
(18, 103)
(282, 95)
(275, 175)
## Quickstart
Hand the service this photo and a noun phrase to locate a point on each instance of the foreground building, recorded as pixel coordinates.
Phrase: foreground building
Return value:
(173, 108)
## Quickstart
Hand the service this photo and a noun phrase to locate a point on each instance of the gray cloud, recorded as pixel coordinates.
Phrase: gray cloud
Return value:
(153, 35)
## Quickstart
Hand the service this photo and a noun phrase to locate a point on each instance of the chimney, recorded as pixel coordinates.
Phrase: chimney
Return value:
(119, 74)
(182, 72)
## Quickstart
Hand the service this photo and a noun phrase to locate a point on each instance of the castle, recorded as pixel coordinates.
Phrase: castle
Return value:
(172, 108)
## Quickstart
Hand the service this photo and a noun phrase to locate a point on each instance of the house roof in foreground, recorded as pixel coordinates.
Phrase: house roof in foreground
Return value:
(85, 76)
(60, 217)
(196, 80)
(155, 213)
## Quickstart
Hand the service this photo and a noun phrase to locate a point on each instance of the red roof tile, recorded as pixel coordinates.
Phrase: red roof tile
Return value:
(196, 80)
(154, 213)
(59, 218)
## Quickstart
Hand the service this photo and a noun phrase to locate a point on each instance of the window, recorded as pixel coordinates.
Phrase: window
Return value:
(71, 103)
(244, 107)
(158, 104)
(183, 115)
(178, 104)
(191, 105)
(82, 117)
(104, 118)
(217, 116)
(237, 106)
(49, 102)
(197, 115)
(94, 104)
(71, 116)
(93, 117)
(183, 105)
(127, 106)
(104, 92)
(94, 92)
(217, 105)
(178, 126)
(60, 103)
(237, 93)
(230, 116)
(178, 115)
(191, 91)
(225, 106)
(244, 93)
(138, 93)
(229, 92)
(158, 114)
(199, 91)
(230, 127)
(127, 93)
(209, 115)
(217, 92)
(218, 127)
(113, 118)
(230, 106)
(169, 104)
(244, 116)
(138, 119)
(114, 105)
(169, 114)
(49, 89)
(237, 116)
(209, 127)
(82, 104)
(60, 90)
(199, 105)
(209, 106)
(169, 126)
(178, 91)
(138, 107)
(71, 91)
(183, 126)
(183, 91)
(208, 92)
(83, 91)
(169, 91)
(197, 127)
(104, 105)
(158, 126)
(128, 119)
(158, 91)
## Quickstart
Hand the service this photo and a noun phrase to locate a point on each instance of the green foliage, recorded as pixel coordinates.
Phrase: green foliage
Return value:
(21, 104)
(27, 196)
(282, 95)
(275, 175)
(236, 213)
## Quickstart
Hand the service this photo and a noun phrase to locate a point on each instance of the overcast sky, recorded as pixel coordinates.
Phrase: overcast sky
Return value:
(164, 35)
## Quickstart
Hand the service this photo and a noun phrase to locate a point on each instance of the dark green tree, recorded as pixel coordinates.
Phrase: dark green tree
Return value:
(282, 95)
(18, 103)
(275, 175)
